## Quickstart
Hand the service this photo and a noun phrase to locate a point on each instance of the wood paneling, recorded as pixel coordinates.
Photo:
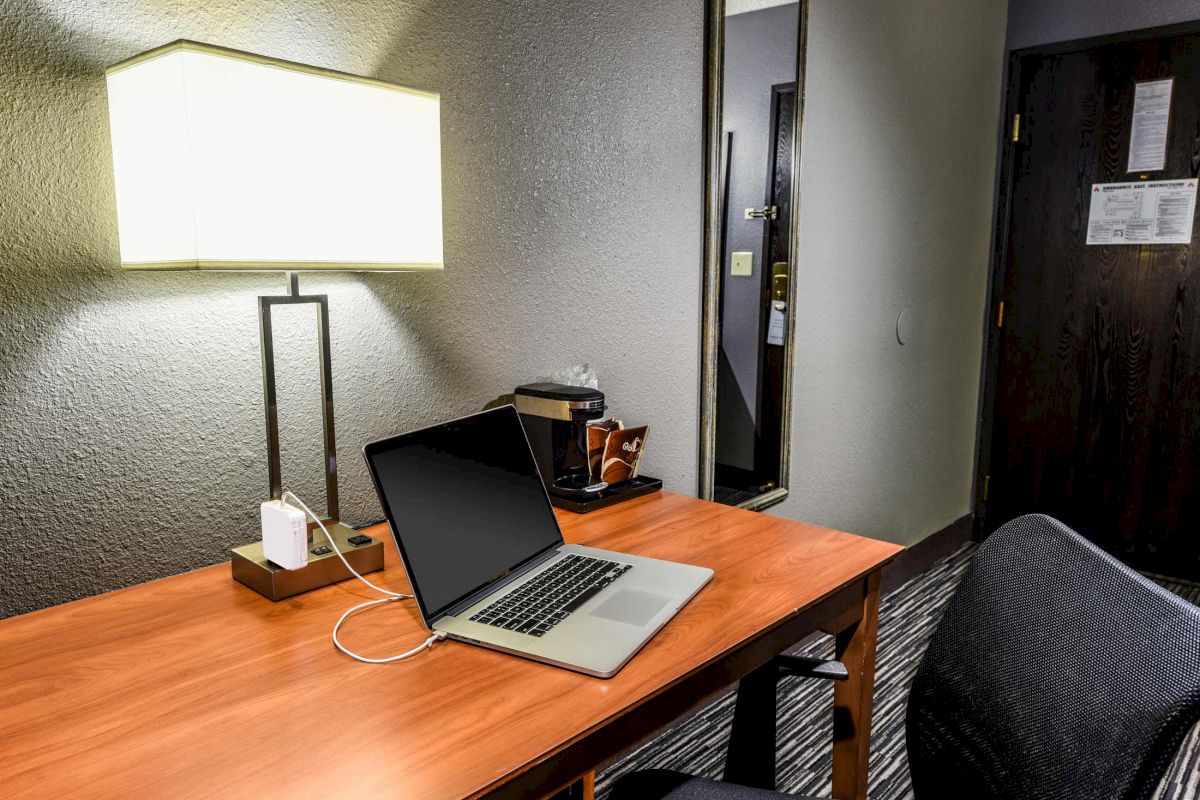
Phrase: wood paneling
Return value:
(196, 686)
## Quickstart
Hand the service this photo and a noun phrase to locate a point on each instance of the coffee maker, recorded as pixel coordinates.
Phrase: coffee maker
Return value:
(556, 418)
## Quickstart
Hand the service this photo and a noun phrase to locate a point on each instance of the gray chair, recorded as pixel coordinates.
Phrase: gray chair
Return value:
(1056, 673)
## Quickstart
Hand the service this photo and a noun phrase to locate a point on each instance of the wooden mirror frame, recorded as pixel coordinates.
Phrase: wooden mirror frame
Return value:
(713, 258)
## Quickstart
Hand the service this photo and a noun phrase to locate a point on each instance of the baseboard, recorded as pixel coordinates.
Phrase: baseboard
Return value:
(927, 552)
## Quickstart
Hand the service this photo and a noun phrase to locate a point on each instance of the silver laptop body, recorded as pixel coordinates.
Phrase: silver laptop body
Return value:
(487, 561)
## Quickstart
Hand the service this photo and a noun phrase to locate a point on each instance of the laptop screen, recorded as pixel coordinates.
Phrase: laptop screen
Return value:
(465, 502)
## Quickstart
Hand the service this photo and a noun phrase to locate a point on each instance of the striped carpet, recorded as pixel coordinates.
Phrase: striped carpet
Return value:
(907, 617)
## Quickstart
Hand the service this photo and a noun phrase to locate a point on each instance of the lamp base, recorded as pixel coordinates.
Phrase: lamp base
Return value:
(276, 583)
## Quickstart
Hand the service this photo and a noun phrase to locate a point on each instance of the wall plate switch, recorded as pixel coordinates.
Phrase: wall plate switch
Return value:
(743, 265)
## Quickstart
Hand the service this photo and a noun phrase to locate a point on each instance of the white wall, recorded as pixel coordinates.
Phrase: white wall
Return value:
(131, 434)
(897, 187)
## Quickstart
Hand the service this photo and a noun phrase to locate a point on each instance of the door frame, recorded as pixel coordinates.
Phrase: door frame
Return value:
(713, 264)
(1010, 140)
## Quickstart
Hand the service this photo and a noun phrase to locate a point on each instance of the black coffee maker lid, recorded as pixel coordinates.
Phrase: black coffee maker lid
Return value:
(559, 391)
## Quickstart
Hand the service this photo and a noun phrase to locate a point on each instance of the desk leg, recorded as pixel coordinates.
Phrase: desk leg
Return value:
(852, 699)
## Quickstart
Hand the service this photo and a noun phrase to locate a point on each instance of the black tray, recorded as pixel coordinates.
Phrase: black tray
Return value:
(617, 493)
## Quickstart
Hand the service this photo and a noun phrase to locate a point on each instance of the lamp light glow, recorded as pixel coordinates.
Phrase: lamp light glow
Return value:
(227, 160)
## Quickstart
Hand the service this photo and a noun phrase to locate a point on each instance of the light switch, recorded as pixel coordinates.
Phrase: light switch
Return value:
(743, 265)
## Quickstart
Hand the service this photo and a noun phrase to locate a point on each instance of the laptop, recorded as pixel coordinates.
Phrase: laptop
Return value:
(487, 561)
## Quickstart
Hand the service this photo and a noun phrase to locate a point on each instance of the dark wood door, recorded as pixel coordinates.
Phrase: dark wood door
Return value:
(776, 250)
(1096, 415)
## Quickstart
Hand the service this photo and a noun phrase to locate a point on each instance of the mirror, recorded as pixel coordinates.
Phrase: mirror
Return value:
(754, 102)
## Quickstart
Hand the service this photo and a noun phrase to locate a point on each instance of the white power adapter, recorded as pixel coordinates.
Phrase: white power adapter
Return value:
(285, 535)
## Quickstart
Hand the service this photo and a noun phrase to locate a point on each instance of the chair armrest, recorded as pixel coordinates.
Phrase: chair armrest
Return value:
(806, 667)
(750, 760)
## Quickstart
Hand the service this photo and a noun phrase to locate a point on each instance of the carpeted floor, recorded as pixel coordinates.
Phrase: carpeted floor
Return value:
(907, 617)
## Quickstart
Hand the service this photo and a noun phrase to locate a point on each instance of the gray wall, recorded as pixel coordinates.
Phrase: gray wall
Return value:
(131, 440)
(132, 444)
(897, 186)
(760, 51)
(1033, 22)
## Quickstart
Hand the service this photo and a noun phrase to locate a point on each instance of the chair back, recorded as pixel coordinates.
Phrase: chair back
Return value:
(1057, 673)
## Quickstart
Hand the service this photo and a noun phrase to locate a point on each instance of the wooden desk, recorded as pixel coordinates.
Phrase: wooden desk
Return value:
(196, 686)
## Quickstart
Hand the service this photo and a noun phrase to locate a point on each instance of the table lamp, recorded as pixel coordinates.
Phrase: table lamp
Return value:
(225, 160)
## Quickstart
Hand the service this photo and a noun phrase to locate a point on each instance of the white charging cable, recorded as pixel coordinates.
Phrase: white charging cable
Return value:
(391, 598)
(437, 637)
(283, 499)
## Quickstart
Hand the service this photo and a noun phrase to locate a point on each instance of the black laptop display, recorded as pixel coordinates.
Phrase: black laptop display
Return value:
(470, 503)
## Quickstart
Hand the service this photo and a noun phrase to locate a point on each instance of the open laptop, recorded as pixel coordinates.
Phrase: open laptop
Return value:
(487, 561)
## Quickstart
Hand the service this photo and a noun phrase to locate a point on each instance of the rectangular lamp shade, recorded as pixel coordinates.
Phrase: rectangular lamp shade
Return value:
(226, 160)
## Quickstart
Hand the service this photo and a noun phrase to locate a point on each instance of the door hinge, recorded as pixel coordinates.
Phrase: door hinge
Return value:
(987, 480)
(1016, 129)
(1000, 316)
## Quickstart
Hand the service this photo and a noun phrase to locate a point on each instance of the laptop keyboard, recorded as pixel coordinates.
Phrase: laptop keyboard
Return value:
(537, 606)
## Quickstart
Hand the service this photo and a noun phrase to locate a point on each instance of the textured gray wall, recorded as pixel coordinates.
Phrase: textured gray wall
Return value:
(1033, 22)
(760, 51)
(131, 440)
(897, 186)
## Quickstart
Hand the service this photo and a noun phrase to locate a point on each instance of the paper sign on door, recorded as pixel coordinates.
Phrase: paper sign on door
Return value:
(777, 323)
(1153, 212)
(1151, 121)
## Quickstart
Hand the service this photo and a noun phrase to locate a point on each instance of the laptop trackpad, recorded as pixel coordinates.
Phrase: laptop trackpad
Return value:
(631, 606)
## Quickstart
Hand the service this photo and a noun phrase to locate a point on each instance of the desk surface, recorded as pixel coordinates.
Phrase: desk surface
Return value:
(195, 685)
